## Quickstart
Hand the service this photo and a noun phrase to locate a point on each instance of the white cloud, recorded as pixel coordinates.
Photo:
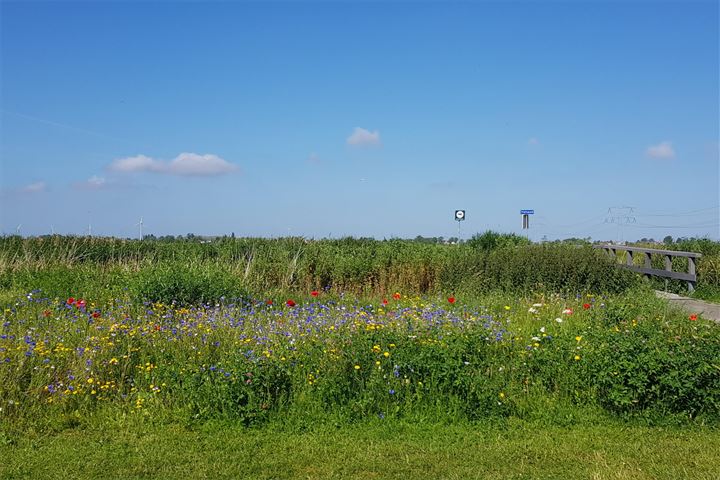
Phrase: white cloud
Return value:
(139, 163)
(92, 183)
(364, 138)
(96, 181)
(194, 164)
(34, 187)
(661, 150)
(190, 164)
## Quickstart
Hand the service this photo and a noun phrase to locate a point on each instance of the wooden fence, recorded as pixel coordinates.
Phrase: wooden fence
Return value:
(690, 277)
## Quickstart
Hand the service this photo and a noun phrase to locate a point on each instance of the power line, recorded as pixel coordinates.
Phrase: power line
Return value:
(583, 222)
(680, 214)
(645, 225)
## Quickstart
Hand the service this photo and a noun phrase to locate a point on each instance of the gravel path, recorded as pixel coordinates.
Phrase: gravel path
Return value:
(706, 309)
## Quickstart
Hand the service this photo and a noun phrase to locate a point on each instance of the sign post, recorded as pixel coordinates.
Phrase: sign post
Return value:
(459, 217)
(526, 218)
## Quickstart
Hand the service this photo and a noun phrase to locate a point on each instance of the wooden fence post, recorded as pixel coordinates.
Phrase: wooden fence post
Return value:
(691, 271)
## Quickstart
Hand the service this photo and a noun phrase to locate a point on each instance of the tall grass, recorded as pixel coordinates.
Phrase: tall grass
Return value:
(63, 265)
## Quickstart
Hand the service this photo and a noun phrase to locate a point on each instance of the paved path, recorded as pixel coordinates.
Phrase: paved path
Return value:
(706, 309)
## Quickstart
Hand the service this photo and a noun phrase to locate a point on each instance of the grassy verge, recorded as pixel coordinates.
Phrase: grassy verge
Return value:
(374, 449)
(708, 294)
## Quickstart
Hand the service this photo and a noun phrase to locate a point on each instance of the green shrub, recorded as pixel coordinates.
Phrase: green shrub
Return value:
(186, 285)
(649, 367)
(490, 240)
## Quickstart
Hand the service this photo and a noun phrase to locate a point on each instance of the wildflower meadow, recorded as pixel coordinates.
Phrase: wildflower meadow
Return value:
(307, 359)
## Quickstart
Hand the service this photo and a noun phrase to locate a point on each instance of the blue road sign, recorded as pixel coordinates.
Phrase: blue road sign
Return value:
(527, 212)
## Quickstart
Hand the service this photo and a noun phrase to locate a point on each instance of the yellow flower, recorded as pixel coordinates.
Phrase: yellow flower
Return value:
(377, 362)
(357, 367)
(507, 307)
(578, 338)
(90, 380)
(386, 354)
(577, 357)
(501, 395)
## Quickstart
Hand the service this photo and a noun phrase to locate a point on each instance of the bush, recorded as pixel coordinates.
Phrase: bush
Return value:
(647, 367)
(490, 240)
(186, 285)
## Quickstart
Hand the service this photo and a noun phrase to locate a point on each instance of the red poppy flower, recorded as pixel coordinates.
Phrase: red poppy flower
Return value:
(693, 317)
(81, 303)
(385, 301)
(586, 306)
(451, 299)
(269, 302)
(290, 303)
(314, 293)
(70, 301)
(96, 314)
(47, 313)
(396, 296)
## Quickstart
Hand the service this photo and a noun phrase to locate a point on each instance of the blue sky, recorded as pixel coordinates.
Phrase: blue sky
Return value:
(360, 118)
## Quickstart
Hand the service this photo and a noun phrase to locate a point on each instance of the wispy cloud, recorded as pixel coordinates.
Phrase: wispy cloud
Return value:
(661, 150)
(364, 138)
(314, 159)
(93, 183)
(57, 124)
(188, 164)
(34, 188)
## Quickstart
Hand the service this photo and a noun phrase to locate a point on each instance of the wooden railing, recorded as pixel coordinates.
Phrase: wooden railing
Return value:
(690, 277)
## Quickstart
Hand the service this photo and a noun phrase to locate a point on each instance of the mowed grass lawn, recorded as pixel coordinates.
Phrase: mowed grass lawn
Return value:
(369, 450)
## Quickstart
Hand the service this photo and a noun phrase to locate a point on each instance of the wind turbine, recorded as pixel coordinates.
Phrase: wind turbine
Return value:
(140, 224)
(17, 230)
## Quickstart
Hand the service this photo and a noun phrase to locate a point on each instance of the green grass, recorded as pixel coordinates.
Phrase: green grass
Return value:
(521, 380)
(708, 294)
(368, 450)
(194, 272)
